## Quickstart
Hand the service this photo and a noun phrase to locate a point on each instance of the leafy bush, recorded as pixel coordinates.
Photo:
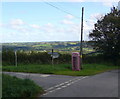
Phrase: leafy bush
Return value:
(100, 58)
(8, 58)
(93, 59)
(23, 57)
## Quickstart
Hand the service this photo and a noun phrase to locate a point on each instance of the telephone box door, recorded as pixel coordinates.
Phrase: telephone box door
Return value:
(75, 61)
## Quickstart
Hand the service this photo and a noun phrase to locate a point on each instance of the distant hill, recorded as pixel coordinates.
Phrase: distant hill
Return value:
(48, 46)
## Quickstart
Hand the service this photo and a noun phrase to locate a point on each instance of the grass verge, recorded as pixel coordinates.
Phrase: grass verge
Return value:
(61, 69)
(13, 87)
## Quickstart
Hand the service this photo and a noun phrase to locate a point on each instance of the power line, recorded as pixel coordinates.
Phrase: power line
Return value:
(61, 9)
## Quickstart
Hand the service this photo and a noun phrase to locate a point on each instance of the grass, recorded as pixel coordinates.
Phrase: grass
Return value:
(89, 69)
(15, 87)
(61, 69)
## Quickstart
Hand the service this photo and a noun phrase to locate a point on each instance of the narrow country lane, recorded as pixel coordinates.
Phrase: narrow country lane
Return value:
(100, 85)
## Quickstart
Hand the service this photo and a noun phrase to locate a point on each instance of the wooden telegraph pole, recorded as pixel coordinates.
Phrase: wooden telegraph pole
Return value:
(16, 58)
(81, 39)
(52, 57)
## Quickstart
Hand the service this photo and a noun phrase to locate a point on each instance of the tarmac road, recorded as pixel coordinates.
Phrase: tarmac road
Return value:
(100, 85)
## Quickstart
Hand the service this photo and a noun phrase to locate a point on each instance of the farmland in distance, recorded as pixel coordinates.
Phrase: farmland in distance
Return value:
(58, 46)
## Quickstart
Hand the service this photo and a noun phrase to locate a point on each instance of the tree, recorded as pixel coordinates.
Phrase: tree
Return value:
(106, 35)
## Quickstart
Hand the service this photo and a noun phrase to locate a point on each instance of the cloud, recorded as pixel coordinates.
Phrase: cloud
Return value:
(67, 22)
(48, 28)
(47, 32)
(42, 0)
(68, 16)
(69, 30)
(118, 5)
(75, 0)
(2, 25)
(60, 0)
(108, 4)
(17, 22)
(89, 24)
(35, 26)
(21, 29)
(83, 0)
(96, 16)
(49, 25)
(106, 1)
(20, 26)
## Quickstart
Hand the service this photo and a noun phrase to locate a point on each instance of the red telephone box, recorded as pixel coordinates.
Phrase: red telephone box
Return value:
(75, 61)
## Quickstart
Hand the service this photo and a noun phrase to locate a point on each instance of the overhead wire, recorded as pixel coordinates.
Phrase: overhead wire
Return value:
(61, 9)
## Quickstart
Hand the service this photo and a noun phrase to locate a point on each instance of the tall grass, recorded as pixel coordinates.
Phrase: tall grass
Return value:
(13, 87)
(61, 69)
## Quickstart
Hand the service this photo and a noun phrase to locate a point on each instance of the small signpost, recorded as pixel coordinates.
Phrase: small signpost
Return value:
(53, 55)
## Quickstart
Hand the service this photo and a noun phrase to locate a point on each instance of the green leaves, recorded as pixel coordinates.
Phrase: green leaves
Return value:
(106, 34)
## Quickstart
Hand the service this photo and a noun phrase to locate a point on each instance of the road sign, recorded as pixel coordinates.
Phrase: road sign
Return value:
(54, 54)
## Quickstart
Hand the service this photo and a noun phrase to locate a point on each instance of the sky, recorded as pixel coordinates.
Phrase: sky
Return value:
(50, 21)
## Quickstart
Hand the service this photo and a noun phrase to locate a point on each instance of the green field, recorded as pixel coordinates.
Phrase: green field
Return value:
(13, 87)
(65, 46)
(61, 69)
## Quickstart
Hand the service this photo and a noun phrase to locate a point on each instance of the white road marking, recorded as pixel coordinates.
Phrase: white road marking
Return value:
(27, 74)
(68, 84)
(59, 88)
(49, 88)
(22, 74)
(60, 84)
(63, 85)
(44, 75)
